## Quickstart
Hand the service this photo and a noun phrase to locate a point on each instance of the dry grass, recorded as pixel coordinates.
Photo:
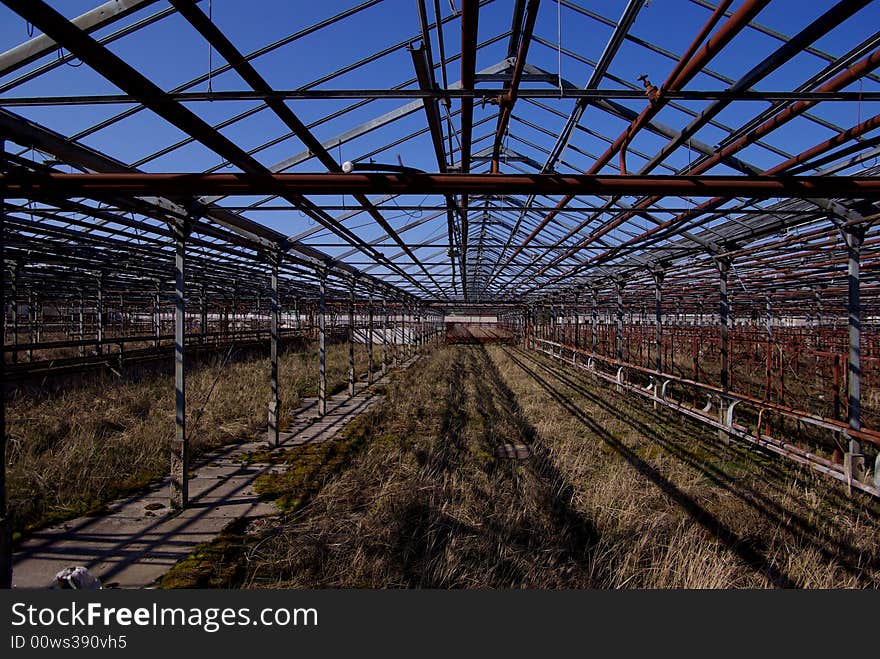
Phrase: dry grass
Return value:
(74, 451)
(615, 495)
(674, 507)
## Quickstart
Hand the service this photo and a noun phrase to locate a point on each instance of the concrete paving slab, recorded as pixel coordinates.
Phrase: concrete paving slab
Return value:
(140, 537)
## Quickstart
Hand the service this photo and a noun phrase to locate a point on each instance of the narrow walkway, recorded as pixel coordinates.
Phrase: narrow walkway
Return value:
(140, 539)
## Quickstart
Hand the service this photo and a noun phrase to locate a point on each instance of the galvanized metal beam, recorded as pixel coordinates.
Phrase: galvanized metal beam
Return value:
(90, 21)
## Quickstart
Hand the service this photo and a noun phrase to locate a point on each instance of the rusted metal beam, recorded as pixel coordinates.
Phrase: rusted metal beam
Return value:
(686, 69)
(88, 185)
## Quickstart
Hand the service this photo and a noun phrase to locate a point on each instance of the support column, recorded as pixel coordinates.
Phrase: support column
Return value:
(32, 323)
(384, 334)
(99, 315)
(854, 460)
(322, 346)
(180, 446)
(157, 319)
(370, 335)
(5, 524)
(659, 275)
(395, 323)
(82, 322)
(203, 314)
(234, 310)
(619, 283)
(723, 265)
(595, 318)
(14, 294)
(563, 329)
(577, 323)
(768, 356)
(528, 338)
(408, 332)
(274, 402)
(351, 373)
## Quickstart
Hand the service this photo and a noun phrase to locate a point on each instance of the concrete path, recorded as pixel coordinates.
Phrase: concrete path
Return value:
(139, 539)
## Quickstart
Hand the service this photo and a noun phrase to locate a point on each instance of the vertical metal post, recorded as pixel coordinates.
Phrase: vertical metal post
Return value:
(595, 318)
(384, 334)
(157, 319)
(99, 315)
(123, 317)
(351, 373)
(564, 324)
(14, 294)
(768, 355)
(619, 331)
(397, 343)
(577, 323)
(5, 524)
(31, 322)
(855, 460)
(322, 345)
(723, 265)
(370, 336)
(274, 309)
(203, 314)
(527, 326)
(234, 309)
(180, 446)
(410, 329)
(81, 320)
(659, 274)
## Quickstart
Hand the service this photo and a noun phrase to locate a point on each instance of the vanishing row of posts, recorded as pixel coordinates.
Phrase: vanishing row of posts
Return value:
(406, 327)
(541, 321)
(418, 325)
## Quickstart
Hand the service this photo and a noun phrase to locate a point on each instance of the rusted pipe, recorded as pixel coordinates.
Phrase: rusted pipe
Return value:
(26, 184)
(736, 23)
(681, 74)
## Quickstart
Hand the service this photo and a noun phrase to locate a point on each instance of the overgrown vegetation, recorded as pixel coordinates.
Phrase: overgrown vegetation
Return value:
(615, 494)
(72, 452)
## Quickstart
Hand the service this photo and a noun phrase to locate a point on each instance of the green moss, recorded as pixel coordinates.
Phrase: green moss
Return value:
(214, 564)
(310, 466)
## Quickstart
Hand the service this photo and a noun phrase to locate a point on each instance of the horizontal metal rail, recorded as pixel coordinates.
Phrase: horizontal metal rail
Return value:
(22, 184)
(481, 93)
(656, 391)
(194, 337)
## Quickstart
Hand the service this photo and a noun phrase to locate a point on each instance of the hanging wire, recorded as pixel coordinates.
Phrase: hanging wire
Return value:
(29, 28)
(69, 62)
(414, 215)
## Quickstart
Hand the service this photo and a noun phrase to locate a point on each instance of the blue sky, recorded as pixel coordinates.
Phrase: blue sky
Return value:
(170, 53)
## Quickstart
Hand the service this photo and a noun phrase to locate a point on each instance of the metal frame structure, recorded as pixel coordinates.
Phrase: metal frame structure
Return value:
(475, 175)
